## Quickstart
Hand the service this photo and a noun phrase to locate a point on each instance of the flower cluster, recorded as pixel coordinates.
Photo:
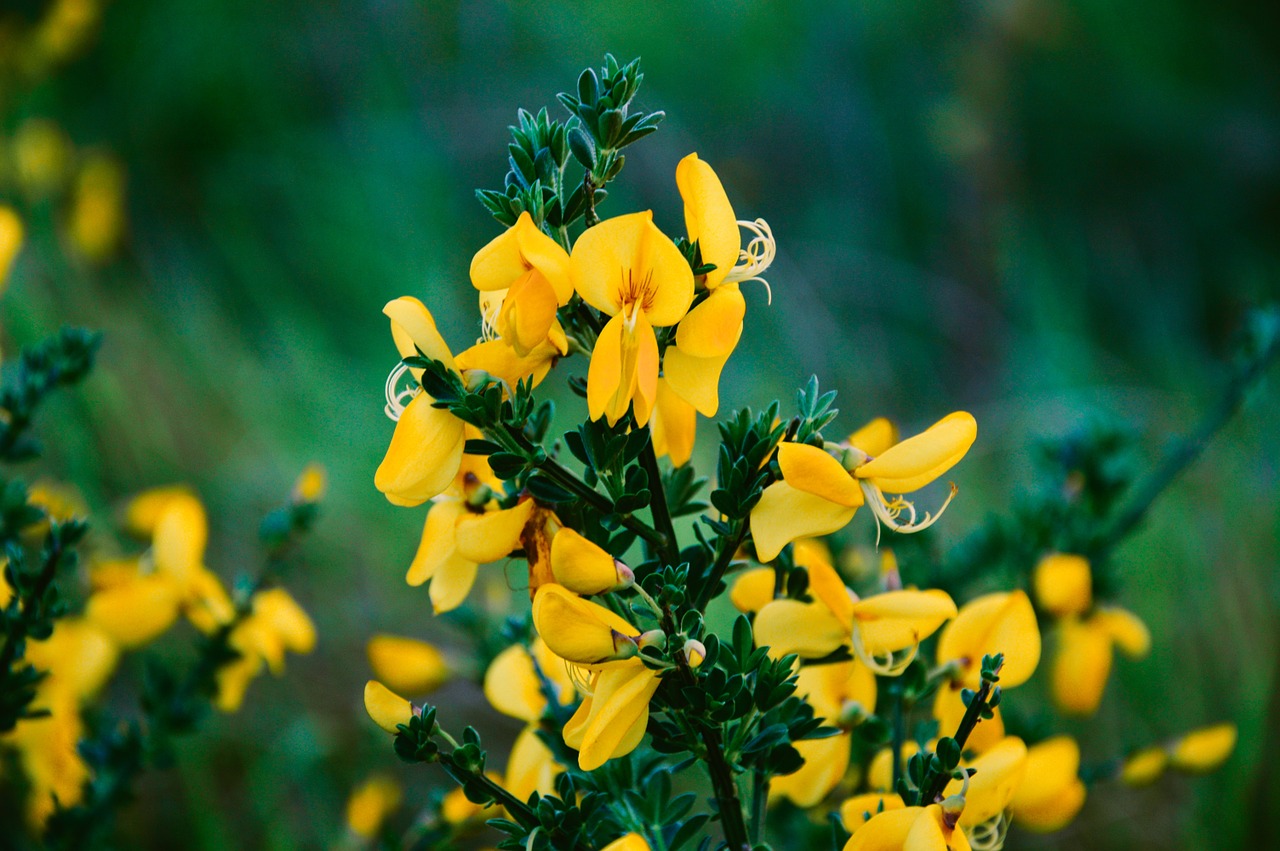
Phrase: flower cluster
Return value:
(855, 693)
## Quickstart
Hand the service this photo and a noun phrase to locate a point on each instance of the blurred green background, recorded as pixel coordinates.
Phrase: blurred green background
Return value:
(1034, 210)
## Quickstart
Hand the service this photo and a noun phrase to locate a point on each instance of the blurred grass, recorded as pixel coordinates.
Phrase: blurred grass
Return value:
(1034, 210)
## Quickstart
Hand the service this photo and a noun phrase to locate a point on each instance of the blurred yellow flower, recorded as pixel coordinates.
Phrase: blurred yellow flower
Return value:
(1203, 750)
(1003, 622)
(12, 234)
(407, 664)
(628, 269)
(513, 686)
(1051, 792)
(1082, 662)
(311, 485)
(371, 803)
(1144, 767)
(41, 156)
(97, 218)
(1063, 584)
(275, 623)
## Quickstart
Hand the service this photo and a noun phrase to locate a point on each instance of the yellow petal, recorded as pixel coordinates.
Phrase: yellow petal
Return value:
(1064, 584)
(277, 609)
(875, 437)
(785, 513)
(78, 657)
(917, 461)
(576, 629)
(712, 328)
(385, 707)
(406, 664)
(626, 259)
(827, 687)
(512, 686)
(994, 623)
(708, 217)
(11, 237)
(807, 629)
(497, 265)
(531, 767)
(181, 533)
(860, 809)
(886, 831)
(620, 701)
(580, 565)
(1204, 749)
(425, 453)
(930, 833)
(897, 620)
(752, 590)
(1051, 793)
(610, 383)
(492, 535)
(437, 548)
(815, 471)
(1081, 666)
(528, 312)
(136, 613)
(1000, 772)
(1125, 628)
(674, 425)
(880, 769)
(646, 393)
(546, 255)
(1144, 767)
(370, 804)
(825, 763)
(414, 330)
(696, 380)
(949, 709)
(233, 681)
(826, 586)
(630, 842)
(143, 511)
(450, 586)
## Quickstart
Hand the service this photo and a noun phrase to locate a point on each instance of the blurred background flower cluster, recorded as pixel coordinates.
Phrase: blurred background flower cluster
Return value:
(1044, 212)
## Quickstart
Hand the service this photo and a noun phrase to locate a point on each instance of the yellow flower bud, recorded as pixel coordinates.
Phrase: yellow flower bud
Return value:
(1144, 767)
(406, 664)
(1203, 750)
(385, 707)
(584, 567)
(1064, 584)
(311, 484)
(581, 631)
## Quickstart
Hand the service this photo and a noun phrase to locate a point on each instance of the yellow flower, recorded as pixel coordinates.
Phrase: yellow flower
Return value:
(613, 716)
(888, 628)
(97, 219)
(385, 707)
(426, 446)
(821, 489)
(41, 153)
(709, 333)
(458, 537)
(999, 774)
(914, 828)
(533, 271)
(1051, 792)
(47, 751)
(371, 803)
(1203, 750)
(1063, 584)
(531, 767)
(311, 485)
(11, 238)
(810, 630)
(1084, 655)
(675, 424)
(78, 658)
(832, 690)
(513, 686)
(580, 631)
(407, 664)
(629, 270)
(275, 624)
(994, 623)
(585, 568)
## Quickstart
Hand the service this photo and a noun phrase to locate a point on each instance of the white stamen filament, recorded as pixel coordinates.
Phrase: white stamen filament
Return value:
(398, 398)
(990, 835)
(889, 664)
(582, 679)
(757, 257)
(887, 513)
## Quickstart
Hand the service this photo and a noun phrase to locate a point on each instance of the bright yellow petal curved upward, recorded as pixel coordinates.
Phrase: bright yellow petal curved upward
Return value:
(917, 461)
(708, 217)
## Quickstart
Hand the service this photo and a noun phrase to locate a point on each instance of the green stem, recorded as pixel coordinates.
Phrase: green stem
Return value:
(1188, 448)
(724, 557)
(669, 551)
(937, 783)
(899, 731)
(759, 802)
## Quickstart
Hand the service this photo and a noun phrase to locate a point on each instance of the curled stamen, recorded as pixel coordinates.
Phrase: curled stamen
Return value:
(887, 513)
(990, 835)
(398, 398)
(757, 257)
(582, 679)
(889, 664)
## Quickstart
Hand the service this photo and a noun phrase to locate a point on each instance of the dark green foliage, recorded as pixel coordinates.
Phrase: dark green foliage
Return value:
(59, 361)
